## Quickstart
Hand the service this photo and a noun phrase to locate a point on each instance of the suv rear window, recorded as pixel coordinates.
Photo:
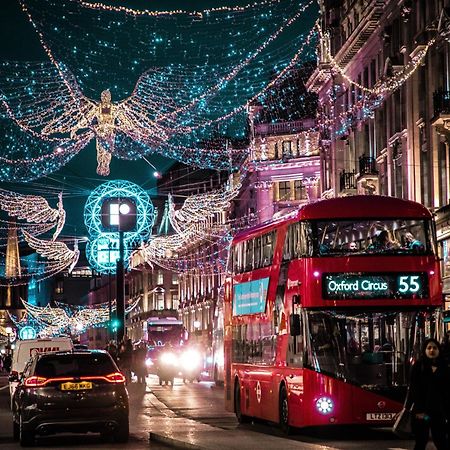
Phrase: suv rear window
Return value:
(75, 365)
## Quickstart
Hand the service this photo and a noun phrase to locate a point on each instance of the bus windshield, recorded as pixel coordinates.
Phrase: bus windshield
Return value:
(372, 236)
(371, 349)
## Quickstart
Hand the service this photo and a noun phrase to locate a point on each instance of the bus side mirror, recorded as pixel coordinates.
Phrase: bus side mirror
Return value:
(294, 324)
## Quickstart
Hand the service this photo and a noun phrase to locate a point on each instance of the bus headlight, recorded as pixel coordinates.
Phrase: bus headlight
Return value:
(324, 405)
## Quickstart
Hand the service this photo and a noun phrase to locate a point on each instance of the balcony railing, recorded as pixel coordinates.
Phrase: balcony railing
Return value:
(347, 180)
(367, 165)
(441, 102)
(284, 127)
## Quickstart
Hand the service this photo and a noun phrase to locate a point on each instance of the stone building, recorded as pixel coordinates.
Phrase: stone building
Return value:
(383, 81)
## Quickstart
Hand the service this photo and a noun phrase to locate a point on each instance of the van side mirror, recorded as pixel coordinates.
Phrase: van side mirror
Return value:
(294, 324)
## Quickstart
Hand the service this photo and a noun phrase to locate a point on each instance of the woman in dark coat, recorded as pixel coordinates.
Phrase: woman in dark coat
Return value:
(429, 397)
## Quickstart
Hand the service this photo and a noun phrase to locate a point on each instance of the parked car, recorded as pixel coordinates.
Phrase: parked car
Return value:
(77, 391)
(25, 349)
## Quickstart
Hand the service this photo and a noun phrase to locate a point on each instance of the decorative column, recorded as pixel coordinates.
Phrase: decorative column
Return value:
(264, 200)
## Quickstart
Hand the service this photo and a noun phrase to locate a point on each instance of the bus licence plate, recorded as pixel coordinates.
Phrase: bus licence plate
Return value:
(380, 416)
(76, 386)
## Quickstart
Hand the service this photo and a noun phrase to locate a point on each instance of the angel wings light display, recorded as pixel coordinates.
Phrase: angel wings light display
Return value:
(186, 91)
(35, 210)
(31, 216)
(66, 319)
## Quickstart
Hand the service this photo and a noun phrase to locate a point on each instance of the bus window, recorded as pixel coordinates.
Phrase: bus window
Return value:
(268, 243)
(369, 348)
(257, 256)
(248, 246)
(254, 343)
(239, 258)
(359, 237)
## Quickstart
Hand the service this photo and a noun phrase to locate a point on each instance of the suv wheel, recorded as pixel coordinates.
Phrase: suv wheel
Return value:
(122, 433)
(26, 436)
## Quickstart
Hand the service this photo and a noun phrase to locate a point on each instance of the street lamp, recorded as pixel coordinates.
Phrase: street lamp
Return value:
(9, 332)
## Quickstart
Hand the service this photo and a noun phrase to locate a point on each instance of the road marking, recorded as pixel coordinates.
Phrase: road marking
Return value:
(4, 387)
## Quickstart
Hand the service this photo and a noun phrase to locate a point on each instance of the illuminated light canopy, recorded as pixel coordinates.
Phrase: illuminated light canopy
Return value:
(121, 198)
(66, 319)
(173, 80)
(200, 220)
(369, 98)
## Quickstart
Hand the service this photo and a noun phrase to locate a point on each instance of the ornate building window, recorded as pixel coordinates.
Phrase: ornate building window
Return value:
(443, 173)
(300, 190)
(159, 300)
(284, 190)
(398, 169)
(287, 149)
(175, 301)
(425, 173)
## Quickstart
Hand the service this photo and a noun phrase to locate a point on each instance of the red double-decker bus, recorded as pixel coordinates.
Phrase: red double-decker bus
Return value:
(326, 309)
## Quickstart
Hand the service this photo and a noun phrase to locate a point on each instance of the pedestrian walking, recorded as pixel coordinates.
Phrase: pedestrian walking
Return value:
(139, 367)
(124, 358)
(428, 397)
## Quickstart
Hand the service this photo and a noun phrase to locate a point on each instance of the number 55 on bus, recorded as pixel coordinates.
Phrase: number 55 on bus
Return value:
(326, 309)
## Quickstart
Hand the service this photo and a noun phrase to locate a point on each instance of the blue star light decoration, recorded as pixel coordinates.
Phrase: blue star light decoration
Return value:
(102, 249)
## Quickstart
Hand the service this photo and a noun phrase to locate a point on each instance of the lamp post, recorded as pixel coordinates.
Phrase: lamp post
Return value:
(124, 210)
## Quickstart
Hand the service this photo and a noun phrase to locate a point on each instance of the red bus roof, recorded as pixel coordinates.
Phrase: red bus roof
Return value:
(355, 206)
(373, 206)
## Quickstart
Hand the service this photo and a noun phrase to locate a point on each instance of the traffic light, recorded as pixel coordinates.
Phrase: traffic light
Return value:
(114, 325)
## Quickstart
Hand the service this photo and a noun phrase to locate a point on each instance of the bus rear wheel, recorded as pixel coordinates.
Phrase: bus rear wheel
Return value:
(237, 405)
(284, 411)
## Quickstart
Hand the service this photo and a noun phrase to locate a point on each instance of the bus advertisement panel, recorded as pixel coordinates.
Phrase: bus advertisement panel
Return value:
(326, 309)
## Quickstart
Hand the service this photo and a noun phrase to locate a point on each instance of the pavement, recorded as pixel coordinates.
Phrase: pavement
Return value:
(180, 432)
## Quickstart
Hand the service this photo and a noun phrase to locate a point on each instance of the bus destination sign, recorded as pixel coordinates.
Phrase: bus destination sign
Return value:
(342, 286)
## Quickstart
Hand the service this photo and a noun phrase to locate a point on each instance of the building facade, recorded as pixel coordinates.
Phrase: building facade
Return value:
(282, 171)
(383, 81)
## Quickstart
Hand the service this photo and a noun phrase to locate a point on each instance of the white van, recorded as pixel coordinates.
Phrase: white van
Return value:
(24, 350)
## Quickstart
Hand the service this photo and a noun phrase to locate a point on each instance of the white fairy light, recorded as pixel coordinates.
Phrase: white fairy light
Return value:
(35, 210)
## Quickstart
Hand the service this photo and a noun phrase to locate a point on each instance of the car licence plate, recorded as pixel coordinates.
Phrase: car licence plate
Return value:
(380, 416)
(76, 386)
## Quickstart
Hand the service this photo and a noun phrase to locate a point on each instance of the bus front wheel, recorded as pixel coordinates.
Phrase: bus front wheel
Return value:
(284, 411)
(237, 404)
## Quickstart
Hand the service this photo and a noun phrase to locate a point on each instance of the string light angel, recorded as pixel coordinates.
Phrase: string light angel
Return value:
(74, 319)
(55, 251)
(35, 210)
(60, 115)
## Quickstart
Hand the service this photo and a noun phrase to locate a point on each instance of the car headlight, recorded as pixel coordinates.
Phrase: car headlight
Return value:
(324, 405)
(168, 358)
(149, 362)
(191, 359)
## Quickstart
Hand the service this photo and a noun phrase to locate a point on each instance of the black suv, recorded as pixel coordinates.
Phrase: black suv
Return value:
(77, 391)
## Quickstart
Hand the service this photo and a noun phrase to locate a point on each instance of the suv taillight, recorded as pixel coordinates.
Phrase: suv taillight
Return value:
(35, 381)
(116, 377)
